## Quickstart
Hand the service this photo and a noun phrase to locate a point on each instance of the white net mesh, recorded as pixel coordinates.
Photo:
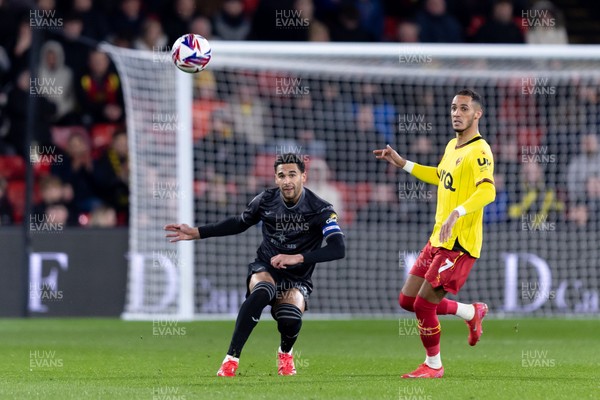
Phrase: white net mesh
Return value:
(334, 104)
(153, 119)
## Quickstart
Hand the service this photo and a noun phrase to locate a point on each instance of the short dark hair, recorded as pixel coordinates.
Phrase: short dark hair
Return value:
(475, 97)
(289, 158)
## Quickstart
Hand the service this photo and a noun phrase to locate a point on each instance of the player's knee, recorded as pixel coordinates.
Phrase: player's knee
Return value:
(406, 302)
(421, 305)
(289, 319)
(265, 287)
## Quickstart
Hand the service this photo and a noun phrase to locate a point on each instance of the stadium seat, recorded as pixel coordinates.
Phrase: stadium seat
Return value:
(12, 167)
(16, 196)
(61, 134)
(101, 136)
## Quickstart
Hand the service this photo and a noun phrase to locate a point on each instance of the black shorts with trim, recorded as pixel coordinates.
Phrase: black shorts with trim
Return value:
(283, 282)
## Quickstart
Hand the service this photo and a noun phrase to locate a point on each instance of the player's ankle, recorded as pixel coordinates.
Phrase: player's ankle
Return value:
(231, 358)
(465, 311)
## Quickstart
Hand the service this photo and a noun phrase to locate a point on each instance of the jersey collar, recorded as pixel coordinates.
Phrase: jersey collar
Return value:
(297, 203)
(476, 138)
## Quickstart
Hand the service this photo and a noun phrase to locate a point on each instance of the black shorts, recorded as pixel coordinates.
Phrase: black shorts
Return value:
(283, 282)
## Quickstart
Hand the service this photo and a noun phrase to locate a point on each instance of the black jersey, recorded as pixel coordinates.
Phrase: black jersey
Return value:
(291, 230)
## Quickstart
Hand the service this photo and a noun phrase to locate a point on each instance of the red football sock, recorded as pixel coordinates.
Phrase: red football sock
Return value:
(429, 325)
(447, 307)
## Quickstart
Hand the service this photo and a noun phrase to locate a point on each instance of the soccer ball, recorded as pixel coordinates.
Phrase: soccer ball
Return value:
(191, 53)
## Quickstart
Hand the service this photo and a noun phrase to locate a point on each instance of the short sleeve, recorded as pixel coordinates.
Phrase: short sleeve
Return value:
(483, 167)
(330, 225)
(251, 214)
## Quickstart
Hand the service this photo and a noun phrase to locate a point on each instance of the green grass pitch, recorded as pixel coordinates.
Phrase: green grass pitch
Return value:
(357, 359)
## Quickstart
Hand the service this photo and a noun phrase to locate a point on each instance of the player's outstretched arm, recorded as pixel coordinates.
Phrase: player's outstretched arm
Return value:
(181, 232)
(229, 226)
(421, 172)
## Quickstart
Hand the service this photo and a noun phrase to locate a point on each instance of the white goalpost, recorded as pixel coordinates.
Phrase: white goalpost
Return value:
(202, 146)
(159, 126)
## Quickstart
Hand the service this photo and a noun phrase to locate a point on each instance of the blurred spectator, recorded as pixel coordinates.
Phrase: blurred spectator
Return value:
(127, 21)
(100, 91)
(319, 181)
(436, 25)
(303, 112)
(422, 148)
(586, 210)
(407, 31)
(383, 207)
(349, 148)
(6, 208)
(103, 217)
(203, 27)
(347, 27)
(500, 28)
(578, 215)
(310, 145)
(231, 23)
(218, 200)
(76, 53)
(371, 17)
(57, 214)
(336, 108)
(77, 173)
(249, 114)
(224, 151)
(20, 50)
(588, 97)
(55, 199)
(179, 18)
(95, 25)
(152, 37)
(593, 198)
(16, 109)
(536, 203)
(497, 211)
(370, 99)
(549, 28)
(583, 166)
(318, 32)
(206, 101)
(111, 174)
(55, 80)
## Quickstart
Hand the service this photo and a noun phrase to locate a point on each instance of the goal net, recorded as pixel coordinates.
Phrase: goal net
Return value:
(333, 104)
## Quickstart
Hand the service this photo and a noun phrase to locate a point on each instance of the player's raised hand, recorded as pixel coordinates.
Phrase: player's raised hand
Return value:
(390, 155)
(181, 232)
(282, 261)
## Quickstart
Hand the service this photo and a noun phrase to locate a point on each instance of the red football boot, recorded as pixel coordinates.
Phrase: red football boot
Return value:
(475, 325)
(425, 371)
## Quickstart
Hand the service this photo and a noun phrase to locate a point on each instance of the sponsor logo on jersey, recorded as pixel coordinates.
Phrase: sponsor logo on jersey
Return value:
(447, 180)
(483, 162)
(332, 218)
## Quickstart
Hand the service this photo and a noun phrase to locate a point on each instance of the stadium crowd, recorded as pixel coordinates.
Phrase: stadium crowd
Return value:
(80, 153)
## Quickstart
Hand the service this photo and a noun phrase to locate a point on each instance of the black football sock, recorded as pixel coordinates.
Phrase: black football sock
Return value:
(249, 314)
(289, 322)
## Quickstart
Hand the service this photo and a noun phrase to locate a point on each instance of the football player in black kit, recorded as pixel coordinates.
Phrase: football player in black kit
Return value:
(295, 222)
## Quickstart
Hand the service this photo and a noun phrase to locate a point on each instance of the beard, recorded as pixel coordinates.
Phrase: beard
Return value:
(469, 124)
